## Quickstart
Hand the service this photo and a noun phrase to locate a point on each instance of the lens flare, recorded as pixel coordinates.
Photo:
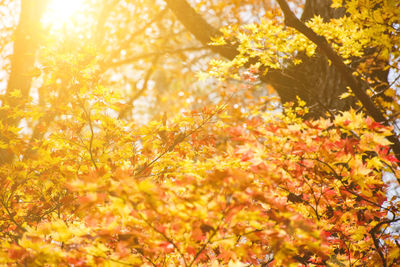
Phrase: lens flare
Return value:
(60, 12)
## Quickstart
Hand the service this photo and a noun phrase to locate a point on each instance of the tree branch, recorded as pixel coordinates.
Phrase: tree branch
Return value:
(135, 96)
(203, 32)
(292, 21)
(200, 28)
(147, 55)
(376, 241)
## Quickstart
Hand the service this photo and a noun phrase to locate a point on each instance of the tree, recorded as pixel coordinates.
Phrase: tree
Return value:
(113, 153)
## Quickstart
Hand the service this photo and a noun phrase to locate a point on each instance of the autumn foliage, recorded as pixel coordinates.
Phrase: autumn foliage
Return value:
(231, 177)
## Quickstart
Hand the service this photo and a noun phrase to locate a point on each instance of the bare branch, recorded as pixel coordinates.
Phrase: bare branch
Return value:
(151, 54)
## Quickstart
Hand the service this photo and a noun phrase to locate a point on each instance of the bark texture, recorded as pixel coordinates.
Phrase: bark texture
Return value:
(314, 81)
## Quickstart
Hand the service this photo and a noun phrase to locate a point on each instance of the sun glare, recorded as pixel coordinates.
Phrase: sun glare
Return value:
(59, 12)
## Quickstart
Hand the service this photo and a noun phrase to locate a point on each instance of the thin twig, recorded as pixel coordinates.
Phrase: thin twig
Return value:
(165, 237)
(151, 54)
(91, 135)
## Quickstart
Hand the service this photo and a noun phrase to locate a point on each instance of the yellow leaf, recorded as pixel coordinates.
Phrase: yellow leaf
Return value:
(236, 264)
(146, 186)
(344, 95)
(3, 145)
(16, 93)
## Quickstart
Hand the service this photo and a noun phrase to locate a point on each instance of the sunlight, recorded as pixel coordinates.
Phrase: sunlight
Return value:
(59, 12)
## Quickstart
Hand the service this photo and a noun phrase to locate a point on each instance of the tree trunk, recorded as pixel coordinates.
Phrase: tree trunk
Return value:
(26, 42)
(27, 36)
(314, 81)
